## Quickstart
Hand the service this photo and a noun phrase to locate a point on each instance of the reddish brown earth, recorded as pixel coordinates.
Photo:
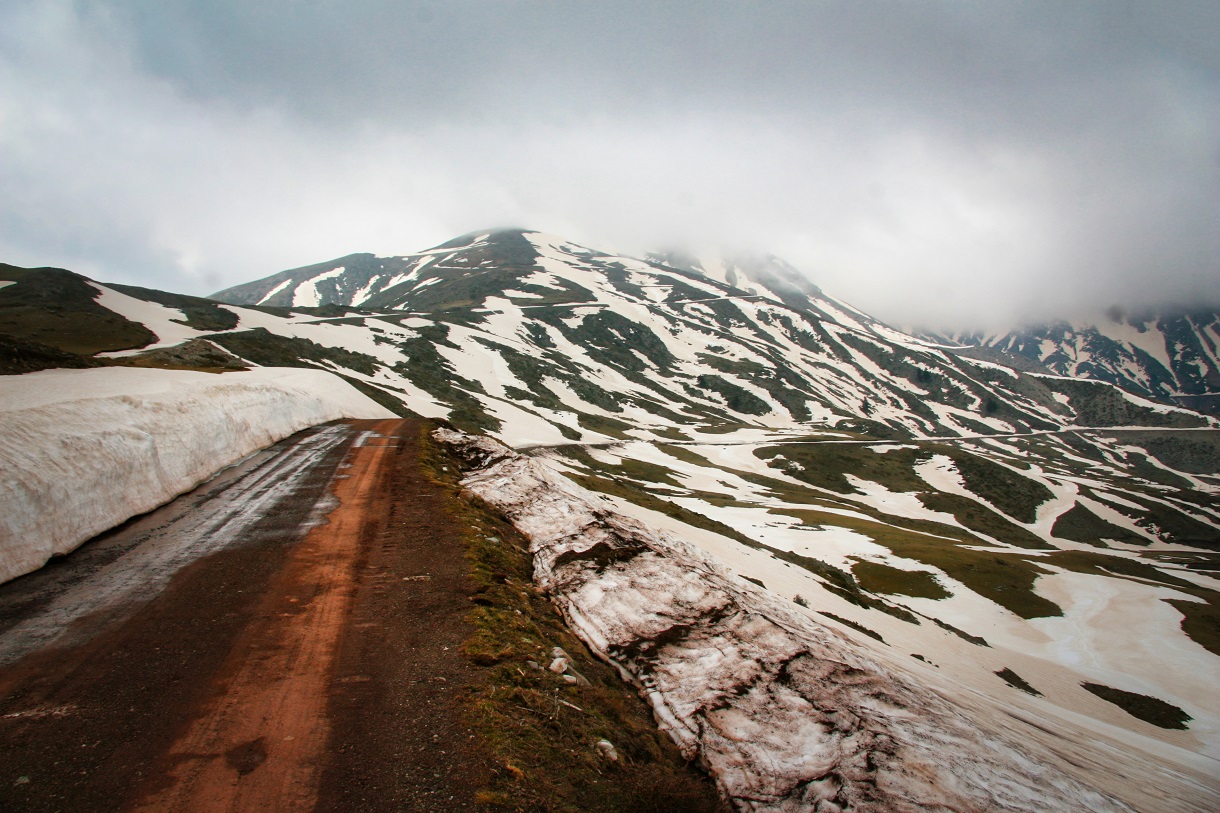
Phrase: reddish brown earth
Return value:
(299, 670)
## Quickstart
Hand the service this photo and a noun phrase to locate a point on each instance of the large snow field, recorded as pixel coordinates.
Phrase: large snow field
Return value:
(522, 428)
(83, 450)
(791, 711)
(1124, 634)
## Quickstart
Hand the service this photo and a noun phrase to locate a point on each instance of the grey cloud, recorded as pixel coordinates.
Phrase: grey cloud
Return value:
(1037, 67)
(936, 162)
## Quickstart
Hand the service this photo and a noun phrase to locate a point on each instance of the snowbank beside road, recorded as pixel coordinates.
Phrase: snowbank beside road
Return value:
(83, 450)
(785, 713)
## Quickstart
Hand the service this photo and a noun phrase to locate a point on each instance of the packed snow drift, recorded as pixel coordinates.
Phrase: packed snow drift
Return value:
(84, 450)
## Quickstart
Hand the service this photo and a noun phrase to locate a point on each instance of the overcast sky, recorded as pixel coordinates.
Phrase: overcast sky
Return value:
(948, 163)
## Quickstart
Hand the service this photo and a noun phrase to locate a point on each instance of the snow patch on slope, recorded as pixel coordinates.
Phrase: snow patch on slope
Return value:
(83, 450)
(275, 291)
(307, 295)
(161, 320)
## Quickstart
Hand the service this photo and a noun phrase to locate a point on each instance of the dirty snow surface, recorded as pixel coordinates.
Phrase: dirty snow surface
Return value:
(83, 450)
(787, 713)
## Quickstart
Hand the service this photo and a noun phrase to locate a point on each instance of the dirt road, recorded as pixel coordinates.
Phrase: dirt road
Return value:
(228, 652)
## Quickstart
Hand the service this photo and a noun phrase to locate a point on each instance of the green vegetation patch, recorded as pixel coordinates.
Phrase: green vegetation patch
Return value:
(538, 335)
(825, 465)
(1202, 561)
(777, 379)
(1081, 525)
(627, 468)
(981, 519)
(877, 577)
(1167, 522)
(1141, 466)
(1194, 452)
(12, 273)
(614, 340)
(1017, 682)
(965, 636)
(19, 356)
(1100, 404)
(1201, 622)
(1104, 564)
(685, 454)
(268, 349)
(533, 371)
(633, 493)
(195, 354)
(865, 429)
(542, 730)
(380, 396)
(426, 368)
(1075, 441)
(839, 582)
(1141, 706)
(735, 397)
(1005, 578)
(1017, 496)
(567, 293)
(603, 424)
(789, 493)
(55, 308)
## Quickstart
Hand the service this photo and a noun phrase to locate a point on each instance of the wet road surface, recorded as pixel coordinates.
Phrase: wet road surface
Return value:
(284, 637)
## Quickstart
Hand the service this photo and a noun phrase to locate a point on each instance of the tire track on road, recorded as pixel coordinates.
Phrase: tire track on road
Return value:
(260, 743)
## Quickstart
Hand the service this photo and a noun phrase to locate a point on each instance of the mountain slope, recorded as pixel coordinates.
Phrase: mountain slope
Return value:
(604, 338)
(1165, 355)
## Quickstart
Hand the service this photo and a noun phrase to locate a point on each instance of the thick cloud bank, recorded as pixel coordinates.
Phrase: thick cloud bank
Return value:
(944, 163)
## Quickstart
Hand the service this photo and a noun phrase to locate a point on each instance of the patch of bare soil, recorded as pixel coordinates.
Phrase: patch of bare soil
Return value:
(398, 739)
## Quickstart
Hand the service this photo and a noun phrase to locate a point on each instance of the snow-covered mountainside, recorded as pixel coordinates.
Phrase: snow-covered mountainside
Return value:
(592, 344)
(1023, 542)
(1159, 355)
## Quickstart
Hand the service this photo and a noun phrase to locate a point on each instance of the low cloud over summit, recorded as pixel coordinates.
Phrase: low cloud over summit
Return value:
(939, 164)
